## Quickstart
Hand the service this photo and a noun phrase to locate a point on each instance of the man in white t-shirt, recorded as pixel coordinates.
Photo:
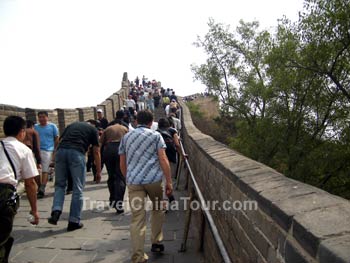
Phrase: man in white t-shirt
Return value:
(130, 105)
(16, 163)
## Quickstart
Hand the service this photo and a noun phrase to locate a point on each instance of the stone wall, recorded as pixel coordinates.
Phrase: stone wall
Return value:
(6, 110)
(293, 222)
(63, 117)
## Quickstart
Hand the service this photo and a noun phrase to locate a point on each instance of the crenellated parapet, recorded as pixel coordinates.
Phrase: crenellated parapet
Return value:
(63, 117)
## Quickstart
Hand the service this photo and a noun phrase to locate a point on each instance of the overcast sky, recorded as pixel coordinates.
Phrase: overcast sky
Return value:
(72, 53)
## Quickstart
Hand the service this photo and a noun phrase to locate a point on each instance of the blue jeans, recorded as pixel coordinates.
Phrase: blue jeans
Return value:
(73, 162)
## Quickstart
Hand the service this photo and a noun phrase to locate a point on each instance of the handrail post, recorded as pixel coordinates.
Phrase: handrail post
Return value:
(178, 174)
(187, 222)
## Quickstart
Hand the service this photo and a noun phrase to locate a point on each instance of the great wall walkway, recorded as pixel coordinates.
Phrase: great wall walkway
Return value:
(104, 238)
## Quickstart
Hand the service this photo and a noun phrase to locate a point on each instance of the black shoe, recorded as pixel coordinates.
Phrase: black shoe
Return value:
(119, 211)
(40, 194)
(55, 215)
(157, 248)
(74, 226)
(8, 246)
(171, 199)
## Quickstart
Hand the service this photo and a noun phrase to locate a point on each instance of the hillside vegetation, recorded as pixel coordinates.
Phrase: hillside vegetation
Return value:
(284, 96)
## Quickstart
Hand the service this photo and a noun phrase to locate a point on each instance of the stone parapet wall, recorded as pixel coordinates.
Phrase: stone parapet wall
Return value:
(87, 113)
(293, 222)
(7, 110)
(32, 114)
(63, 117)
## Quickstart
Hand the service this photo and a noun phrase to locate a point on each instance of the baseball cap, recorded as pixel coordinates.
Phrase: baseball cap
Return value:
(100, 110)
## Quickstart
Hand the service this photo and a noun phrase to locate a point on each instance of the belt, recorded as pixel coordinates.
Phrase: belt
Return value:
(7, 186)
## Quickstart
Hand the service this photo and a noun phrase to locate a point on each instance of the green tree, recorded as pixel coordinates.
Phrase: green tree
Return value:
(288, 92)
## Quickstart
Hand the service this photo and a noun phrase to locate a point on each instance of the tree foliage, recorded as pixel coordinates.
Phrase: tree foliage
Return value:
(288, 92)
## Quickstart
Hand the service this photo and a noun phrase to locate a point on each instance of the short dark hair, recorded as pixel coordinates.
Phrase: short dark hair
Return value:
(171, 121)
(144, 117)
(43, 112)
(29, 123)
(13, 125)
(163, 123)
(95, 123)
(119, 114)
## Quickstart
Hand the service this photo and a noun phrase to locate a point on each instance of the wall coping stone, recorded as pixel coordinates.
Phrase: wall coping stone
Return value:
(318, 221)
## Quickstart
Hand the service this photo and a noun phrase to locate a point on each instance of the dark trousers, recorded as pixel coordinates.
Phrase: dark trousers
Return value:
(116, 180)
(7, 214)
(132, 111)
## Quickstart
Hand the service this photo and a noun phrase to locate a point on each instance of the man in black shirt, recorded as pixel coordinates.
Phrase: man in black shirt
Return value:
(103, 121)
(70, 158)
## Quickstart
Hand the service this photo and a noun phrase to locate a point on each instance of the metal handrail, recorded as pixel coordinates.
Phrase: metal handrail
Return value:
(206, 212)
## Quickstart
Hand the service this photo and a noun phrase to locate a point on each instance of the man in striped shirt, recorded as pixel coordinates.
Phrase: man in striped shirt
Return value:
(144, 162)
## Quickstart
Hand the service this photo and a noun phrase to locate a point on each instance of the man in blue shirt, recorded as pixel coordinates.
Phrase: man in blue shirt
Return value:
(48, 134)
(144, 162)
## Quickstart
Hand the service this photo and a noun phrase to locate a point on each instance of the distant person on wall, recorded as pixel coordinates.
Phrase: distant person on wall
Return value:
(48, 134)
(165, 101)
(176, 122)
(131, 105)
(141, 101)
(32, 140)
(103, 121)
(110, 141)
(173, 97)
(173, 106)
(137, 81)
(150, 102)
(156, 98)
(144, 80)
(70, 159)
(143, 162)
(16, 163)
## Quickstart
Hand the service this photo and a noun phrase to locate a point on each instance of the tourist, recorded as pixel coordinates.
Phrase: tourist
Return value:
(70, 156)
(141, 101)
(16, 163)
(172, 142)
(130, 105)
(103, 121)
(173, 96)
(144, 163)
(110, 141)
(119, 119)
(48, 134)
(32, 140)
(156, 98)
(176, 122)
(150, 102)
(165, 101)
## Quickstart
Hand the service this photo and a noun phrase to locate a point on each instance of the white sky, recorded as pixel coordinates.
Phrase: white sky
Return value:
(72, 53)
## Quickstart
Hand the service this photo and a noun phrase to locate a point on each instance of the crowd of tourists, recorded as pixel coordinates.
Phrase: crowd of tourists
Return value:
(136, 151)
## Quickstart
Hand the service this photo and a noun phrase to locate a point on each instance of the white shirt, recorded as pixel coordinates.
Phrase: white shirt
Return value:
(177, 123)
(130, 103)
(167, 109)
(154, 126)
(22, 158)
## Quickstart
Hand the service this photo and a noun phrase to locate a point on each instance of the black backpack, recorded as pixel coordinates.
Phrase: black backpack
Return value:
(170, 145)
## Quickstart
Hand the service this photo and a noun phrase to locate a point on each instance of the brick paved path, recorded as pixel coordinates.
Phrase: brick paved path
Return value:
(104, 238)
